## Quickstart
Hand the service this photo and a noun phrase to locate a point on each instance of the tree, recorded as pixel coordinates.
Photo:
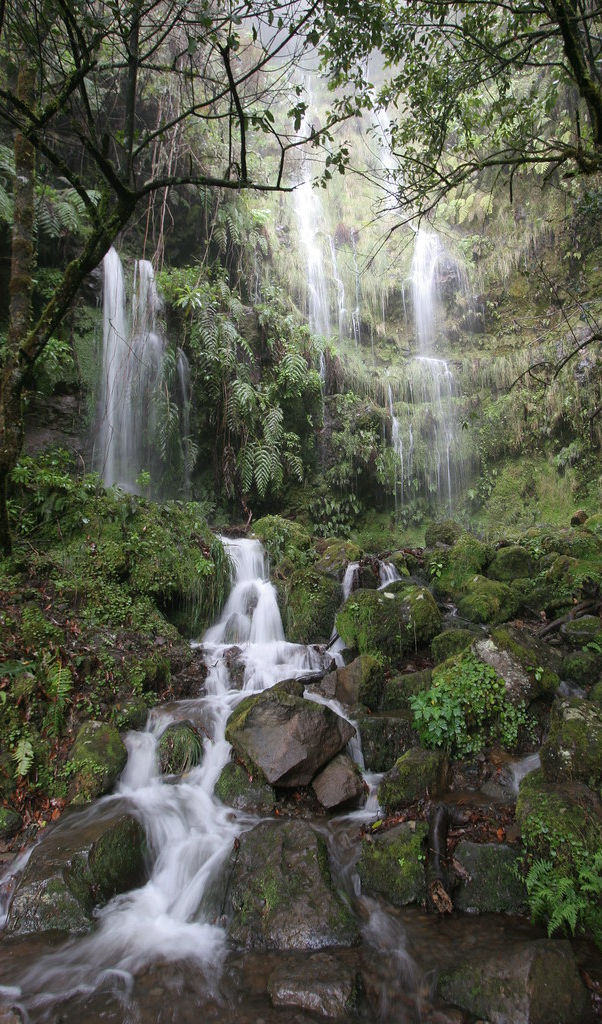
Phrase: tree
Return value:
(477, 88)
(89, 112)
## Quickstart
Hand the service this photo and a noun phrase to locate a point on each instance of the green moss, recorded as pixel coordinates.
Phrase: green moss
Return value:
(445, 532)
(487, 601)
(235, 788)
(97, 756)
(452, 641)
(558, 822)
(582, 667)
(399, 689)
(533, 655)
(510, 563)
(335, 556)
(180, 748)
(392, 865)
(311, 602)
(573, 749)
(388, 624)
(284, 540)
(37, 631)
(594, 524)
(454, 570)
(415, 774)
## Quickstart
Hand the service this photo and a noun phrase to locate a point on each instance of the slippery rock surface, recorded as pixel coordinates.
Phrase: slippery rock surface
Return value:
(573, 749)
(392, 864)
(339, 783)
(75, 870)
(321, 985)
(359, 682)
(385, 737)
(280, 894)
(524, 664)
(533, 983)
(285, 736)
(236, 788)
(414, 774)
(98, 756)
(491, 881)
(384, 623)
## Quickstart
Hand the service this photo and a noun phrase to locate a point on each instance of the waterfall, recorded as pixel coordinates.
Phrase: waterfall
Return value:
(133, 362)
(397, 443)
(308, 209)
(342, 312)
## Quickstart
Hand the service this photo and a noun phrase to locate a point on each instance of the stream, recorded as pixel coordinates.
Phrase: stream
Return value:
(155, 956)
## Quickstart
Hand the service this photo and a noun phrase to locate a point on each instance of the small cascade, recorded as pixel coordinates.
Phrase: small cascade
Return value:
(133, 363)
(387, 574)
(397, 442)
(350, 579)
(342, 312)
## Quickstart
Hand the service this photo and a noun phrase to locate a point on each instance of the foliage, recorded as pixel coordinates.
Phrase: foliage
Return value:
(466, 709)
(568, 902)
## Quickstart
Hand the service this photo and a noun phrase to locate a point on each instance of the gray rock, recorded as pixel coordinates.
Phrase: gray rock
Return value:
(385, 737)
(573, 749)
(280, 894)
(236, 789)
(531, 983)
(491, 882)
(286, 737)
(76, 869)
(339, 783)
(392, 864)
(321, 985)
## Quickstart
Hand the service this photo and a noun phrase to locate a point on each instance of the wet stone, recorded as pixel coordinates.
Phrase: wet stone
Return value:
(491, 882)
(321, 985)
(339, 783)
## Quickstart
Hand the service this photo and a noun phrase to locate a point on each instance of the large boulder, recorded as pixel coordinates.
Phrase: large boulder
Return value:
(450, 642)
(236, 788)
(510, 563)
(414, 774)
(321, 985)
(388, 624)
(98, 757)
(75, 870)
(447, 531)
(582, 631)
(490, 880)
(180, 748)
(280, 893)
(533, 982)
(398, 689)
(359, 682)
(385, 737)
(335, 556)
(557, 820)
(487, 600)
(523, 662)
(339, 784)
(392, 864)
(573, 749)
(452, 569)
(312, 599)
(287, 738)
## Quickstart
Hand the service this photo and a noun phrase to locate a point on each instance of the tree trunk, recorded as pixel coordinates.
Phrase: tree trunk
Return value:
(22, 266)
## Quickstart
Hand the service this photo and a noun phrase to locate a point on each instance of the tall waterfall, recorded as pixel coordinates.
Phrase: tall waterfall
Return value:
(309, 213)
(132, 371)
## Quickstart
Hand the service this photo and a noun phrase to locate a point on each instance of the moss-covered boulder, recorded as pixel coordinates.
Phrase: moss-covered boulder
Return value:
(594, 524)
(98, 757)
(284, 540)
(574, 542)
(582, 667)
(76, 869)
(284, 737)
(10, 822)
(453, 569)
(445, 532)
(392, 864)
(401, 560)
(415, 774)
(487, 600)
(280, 894)
(385, 737)
(388, 624)
(595, 694)
(180, 748)
(557, 820)
(582, 631)
(573, 749)
(398, 689)
(312, 599)
(510, 563)
(524, 663)
(339, 784)
(359, 682)
(534, 982)
(133, 714)
(236, 788)
(335, 556)
(451, 641)
(490, 880)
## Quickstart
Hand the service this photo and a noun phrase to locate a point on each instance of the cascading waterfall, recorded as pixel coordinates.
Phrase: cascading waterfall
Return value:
(340, 286)
(308, 209)
(132, 372)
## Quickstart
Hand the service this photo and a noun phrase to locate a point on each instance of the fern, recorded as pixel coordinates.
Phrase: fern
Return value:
(564, 901)
(22, 755)
(59, 686)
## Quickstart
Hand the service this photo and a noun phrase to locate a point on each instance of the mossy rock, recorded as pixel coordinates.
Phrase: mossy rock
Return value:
(445, 532)
(528, 666)
(400, 560)
(582, 631)
(415, 774)
(312, 599)
(236, 788)
(283, 540)
(510, 563)
(387, 624)
(573, 749)
(360, 682)
(574, 542)
(37, 632)
(180, 748)
(10, 822)
(557, 819)
(582, 667)
(98, 756)
(454, 570)
(335, 556)
(595, 694)
(594, 524)
(385, 736)
(488, 601)
(451, 641)
(398, 690)
(392, 864)
(133, 714)
(491, 882)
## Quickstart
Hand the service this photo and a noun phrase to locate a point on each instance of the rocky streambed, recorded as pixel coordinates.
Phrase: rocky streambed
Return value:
(255, 862)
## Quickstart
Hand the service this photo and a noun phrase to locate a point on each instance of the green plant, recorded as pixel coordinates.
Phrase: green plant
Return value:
(435, 569)
(58, 687)
(566, 901)
(23, 755)
(466, 708)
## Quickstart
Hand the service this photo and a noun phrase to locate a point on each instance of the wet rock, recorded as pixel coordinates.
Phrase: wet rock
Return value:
(510, 563)
(398, 689)
(573, 749)
(558, 819)
(453, 569)
(532, 983)
(383, 623)
(133, 714)
(359, 682)
(321, 985)
(488, 601)
(235, 788)
(392, 864)
(286, 737)
(335, 556)
(445, 532)
(98, 757)
(311, 601)
(368, 574)
(10, 822)
(385, 737)
(523, 663)
(76, 869)
(582, 667)
(414, 774)
(339, 783)
(280, 894)
(452, 641)
(180, 748)
(582, 631)
(491, 882)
